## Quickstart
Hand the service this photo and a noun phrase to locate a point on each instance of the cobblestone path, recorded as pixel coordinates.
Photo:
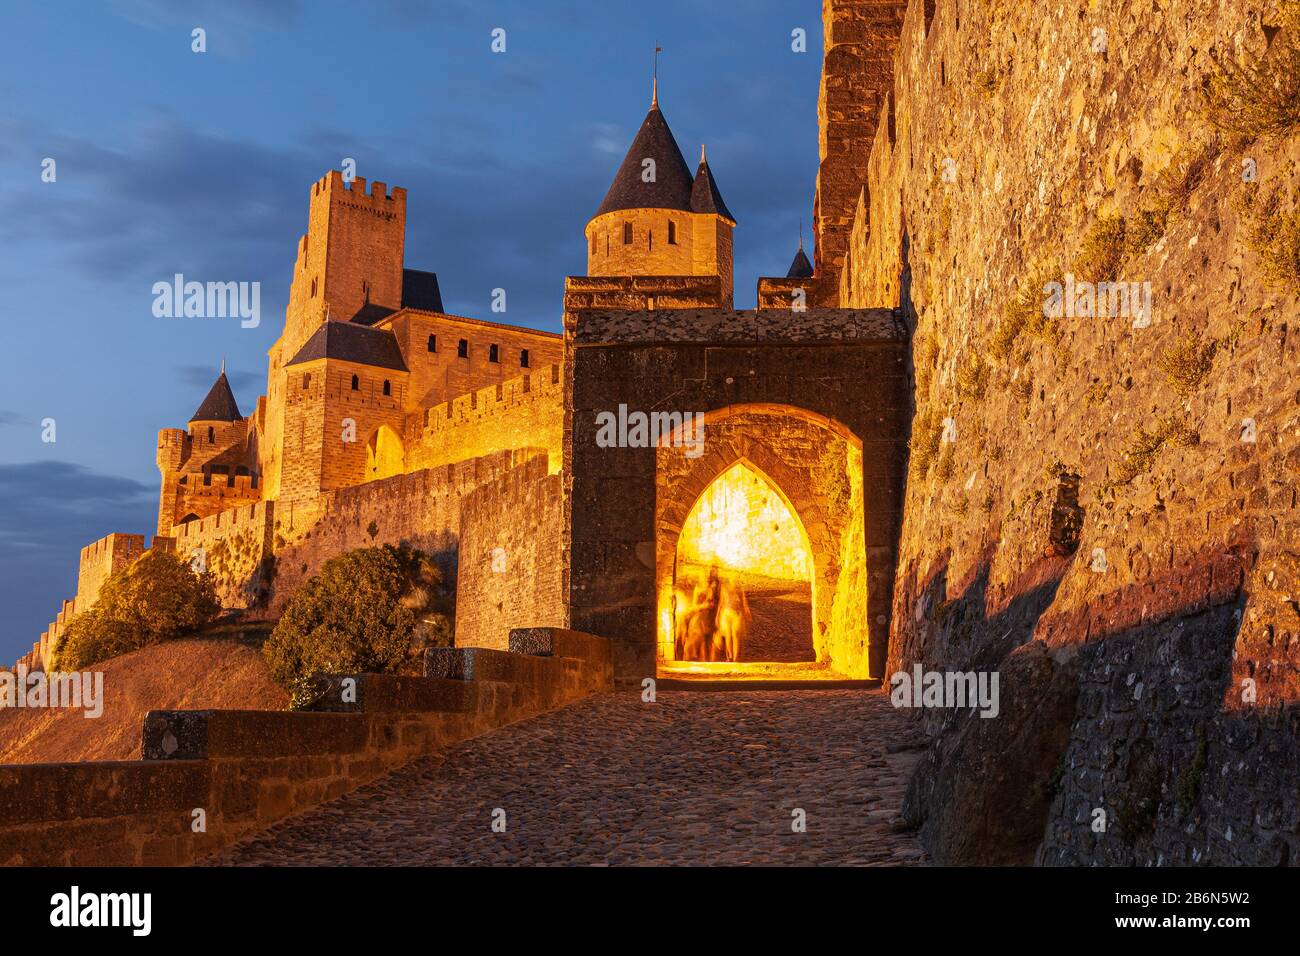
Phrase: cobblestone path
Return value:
(697, 777)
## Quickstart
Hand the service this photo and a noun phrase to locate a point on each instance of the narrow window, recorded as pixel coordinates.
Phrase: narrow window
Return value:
(462, 349)
(356, 383)
(365, 291)
(650, 238)
(212, 435)
(494, 353)
(433, 343)
(306, 380)
(627, 234)
(313, 288)
(672, 233)
(523, 358)
(388, 388)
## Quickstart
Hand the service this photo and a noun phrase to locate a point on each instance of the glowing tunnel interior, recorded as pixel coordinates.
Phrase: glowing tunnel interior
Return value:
(743, 582)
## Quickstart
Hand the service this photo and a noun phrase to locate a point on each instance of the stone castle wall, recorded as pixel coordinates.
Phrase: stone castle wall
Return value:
(260, 554)
(235, 547)
(1121, 491)
(511, 569)
(98, 561)
(523, 412)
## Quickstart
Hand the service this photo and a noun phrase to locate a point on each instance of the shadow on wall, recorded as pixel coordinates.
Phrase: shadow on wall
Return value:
(1117, 743)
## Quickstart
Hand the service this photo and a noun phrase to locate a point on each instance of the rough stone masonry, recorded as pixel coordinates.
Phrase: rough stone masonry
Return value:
(1103, 508)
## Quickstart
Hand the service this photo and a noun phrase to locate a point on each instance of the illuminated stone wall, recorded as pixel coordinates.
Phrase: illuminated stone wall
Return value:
(843, 367)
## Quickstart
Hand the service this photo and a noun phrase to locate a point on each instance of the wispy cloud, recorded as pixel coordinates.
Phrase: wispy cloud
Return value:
(49, 510)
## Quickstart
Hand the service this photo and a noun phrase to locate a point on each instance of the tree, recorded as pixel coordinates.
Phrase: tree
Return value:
(158, 597)
(373, 610)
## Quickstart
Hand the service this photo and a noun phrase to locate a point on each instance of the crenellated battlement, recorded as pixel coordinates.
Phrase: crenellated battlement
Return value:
(522, 412)
(545, 383)
(379, 196)
(232, 519)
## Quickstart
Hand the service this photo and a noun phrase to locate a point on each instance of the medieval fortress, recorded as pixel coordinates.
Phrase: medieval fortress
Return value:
(387, 420)
(1073, 500)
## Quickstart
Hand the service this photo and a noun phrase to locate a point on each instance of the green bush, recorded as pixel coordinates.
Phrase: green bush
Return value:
(373, 610)
(158, 597)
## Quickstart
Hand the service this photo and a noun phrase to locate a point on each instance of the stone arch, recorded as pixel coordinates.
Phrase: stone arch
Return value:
(385, 454)
(815, 464)
(800, 551)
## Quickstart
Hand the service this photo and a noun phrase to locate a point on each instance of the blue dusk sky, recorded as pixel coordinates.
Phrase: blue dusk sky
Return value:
(173, 161)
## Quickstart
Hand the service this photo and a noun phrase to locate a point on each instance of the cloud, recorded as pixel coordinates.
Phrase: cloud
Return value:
(201, 377)
(49, 511)
(232, 26)
(172, 199)
(42, 499)
(606, 139)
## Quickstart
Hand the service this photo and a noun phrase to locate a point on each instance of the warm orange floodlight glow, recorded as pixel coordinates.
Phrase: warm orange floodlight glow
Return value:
(739, 532)
(741, 523)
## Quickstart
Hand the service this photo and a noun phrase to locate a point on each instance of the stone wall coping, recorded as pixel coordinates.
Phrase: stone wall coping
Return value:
(748, 327)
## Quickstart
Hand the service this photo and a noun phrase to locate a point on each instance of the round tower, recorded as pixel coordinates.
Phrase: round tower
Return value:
(658, 220)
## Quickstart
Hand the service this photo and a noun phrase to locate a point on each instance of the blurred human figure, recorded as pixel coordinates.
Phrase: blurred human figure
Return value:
(700, 620)
(733, 619)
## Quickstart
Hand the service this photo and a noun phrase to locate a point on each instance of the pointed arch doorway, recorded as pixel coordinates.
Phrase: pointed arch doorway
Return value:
(742, 590)
(762, 533)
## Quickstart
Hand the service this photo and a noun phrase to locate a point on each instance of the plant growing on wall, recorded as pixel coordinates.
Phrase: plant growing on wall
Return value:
(1261, 97)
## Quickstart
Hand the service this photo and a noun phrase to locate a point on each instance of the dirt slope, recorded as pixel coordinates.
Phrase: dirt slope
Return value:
(179, 675)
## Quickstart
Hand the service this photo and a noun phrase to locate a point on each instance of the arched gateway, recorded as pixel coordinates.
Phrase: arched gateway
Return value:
(769, 514)
(788, 428)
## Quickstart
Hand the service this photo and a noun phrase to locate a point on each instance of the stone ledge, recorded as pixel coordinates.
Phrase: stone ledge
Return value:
(200, 734)
(752, 328)
(559, 642)
(390, 693)
(31, 793)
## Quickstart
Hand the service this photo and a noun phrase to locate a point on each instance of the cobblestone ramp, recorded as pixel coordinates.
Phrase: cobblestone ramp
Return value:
(694, 778)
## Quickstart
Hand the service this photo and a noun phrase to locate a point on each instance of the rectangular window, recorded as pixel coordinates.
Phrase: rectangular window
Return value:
(494, 353)
(523, 358)
(462, 349)
(627, 234)
(672, 233)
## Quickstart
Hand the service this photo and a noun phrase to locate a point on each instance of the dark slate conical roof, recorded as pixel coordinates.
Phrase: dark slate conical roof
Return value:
(704, 192)
(671, 188)
(220, 405)
(801, 268)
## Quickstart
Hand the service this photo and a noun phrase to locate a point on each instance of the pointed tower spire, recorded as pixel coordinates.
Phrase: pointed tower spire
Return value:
(219, 405)
(654, 84)
(704, 191)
